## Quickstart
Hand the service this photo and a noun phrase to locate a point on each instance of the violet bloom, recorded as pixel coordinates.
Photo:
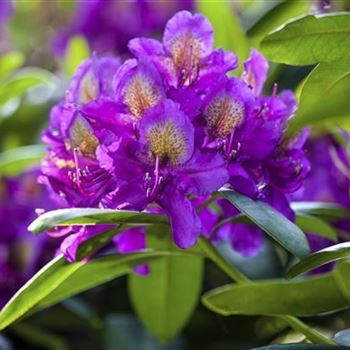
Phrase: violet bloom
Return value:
(165, 130)
(329, 179)
(108, 25)
(248, 129)
(21, 254)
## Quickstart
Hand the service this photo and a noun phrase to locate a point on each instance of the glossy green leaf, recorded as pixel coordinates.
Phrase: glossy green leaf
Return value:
(321, 257)
(341, 275)
(310, 40)
(9, 62)
(16, 160)
(165, 299)
(20, 82)
(77, 51)
(92, 216)
(228, 32)
(311, 296)
(281, 13)
(301, 346)
(313, 224)
(324, 94)
(321, 209)
(59, 279)
(272, 222)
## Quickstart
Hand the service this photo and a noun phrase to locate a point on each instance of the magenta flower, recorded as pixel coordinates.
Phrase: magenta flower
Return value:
(168, 128)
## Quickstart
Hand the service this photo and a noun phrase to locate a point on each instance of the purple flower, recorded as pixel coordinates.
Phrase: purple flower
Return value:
(329, 179)
(21, 254)
(109, 24)
(186, 55)
(165, 130)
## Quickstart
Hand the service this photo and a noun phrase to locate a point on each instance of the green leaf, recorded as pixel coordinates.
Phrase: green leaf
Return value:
(324, 94)
(281, 13)
(311, 296)
(309, 40)
(313, 224)
(341, 274)
(24, 79)
(228, 32)
(301, 346)
(92, 216)
(322, 209)
(59, 279)
(77, 51)
(16, 160)
(165, 299)
(321, 257)
(9, 62)
(272, 222)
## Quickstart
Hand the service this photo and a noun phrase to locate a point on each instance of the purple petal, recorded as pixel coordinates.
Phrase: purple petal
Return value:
(255, 71)
(185, 223)
(168, 133)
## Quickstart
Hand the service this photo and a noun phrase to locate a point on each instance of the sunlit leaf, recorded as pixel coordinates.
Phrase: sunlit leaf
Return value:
(92, 216)
(324, 94)
(9, 62)
(313, 224)
(164, 300)
(59, 279)
(24, 79)
(311, 296)
(228, 32)
(272, 222)
(16, 160)
(310, 40)
(321, 209)
(77, 51)
(319, 258)
(281, 13)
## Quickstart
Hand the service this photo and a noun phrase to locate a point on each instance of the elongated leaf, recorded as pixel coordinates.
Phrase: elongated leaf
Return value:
(14, 161)
(324, 256)
(301, 346)
(272, 222)
(320, 209)
(92, 216)
(313, 224)
(9, 62)
(227, 28)
(341, 274)
(165, 299)
(100, 271)
(77, 51)
(324, 94)
(312, 296)
(310, 40)
(281, 13)
(60, 279)
(24, 79)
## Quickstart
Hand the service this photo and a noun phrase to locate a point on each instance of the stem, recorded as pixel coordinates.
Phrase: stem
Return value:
(311, 334)
(213, 255)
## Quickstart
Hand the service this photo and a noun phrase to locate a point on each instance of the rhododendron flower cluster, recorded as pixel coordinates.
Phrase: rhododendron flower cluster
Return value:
(21, 254)
(166, 129)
